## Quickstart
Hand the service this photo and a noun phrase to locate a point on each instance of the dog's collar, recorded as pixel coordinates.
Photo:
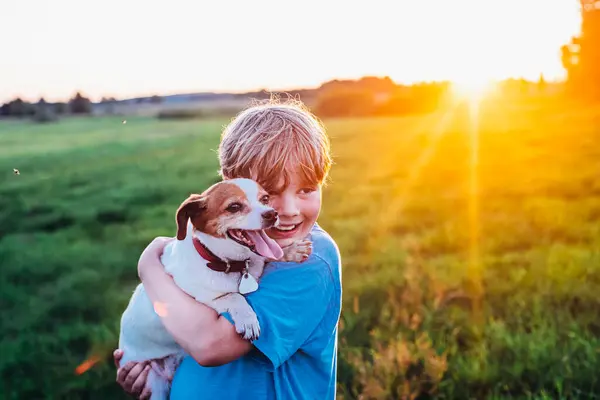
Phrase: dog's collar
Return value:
(217, 264)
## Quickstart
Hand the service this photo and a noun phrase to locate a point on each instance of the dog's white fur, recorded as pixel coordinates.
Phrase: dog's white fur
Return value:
(143, 336)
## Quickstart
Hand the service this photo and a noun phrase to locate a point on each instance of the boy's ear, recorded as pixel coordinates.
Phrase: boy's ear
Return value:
(191, 207)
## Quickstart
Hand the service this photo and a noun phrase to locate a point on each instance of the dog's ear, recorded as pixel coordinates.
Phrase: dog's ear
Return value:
(192, 206)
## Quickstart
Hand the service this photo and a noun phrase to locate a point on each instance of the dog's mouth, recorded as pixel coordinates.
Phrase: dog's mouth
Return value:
(257, 241)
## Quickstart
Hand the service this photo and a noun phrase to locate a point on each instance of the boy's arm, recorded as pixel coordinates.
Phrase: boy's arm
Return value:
(289, 305)
(209, 338)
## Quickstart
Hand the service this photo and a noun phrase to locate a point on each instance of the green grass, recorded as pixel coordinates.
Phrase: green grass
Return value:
(459, 281)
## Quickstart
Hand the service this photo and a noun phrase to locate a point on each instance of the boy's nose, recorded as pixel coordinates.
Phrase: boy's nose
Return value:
(286, 207)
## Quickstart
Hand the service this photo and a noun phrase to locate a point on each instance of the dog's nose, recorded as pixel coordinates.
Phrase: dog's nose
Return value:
(270, 216)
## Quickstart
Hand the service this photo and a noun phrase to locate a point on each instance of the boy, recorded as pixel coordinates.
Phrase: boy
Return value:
(285, 149)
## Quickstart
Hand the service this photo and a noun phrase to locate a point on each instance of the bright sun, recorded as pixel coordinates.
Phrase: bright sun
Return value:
(472, 88)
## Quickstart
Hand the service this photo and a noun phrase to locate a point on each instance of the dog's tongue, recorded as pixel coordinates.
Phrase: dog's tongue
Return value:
(265, 246)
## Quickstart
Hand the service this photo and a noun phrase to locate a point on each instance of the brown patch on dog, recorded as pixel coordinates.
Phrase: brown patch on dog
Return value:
(221, 196)
(208, 211)
(191, 208)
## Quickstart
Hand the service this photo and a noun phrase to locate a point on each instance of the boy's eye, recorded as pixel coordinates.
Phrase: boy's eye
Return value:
(307, 190)
(234, 207)
(265, 199)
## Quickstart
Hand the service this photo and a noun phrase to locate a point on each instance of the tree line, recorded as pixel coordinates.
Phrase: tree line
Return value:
(373, 96)
(43, 111)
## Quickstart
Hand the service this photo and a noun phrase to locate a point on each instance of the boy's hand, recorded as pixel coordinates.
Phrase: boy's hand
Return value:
(299, 251)
(132, 376)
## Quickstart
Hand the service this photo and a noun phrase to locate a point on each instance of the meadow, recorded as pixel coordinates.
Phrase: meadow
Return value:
(470, 241)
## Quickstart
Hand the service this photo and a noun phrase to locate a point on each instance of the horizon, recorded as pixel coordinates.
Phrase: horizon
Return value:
(139, 49)
(274, 91)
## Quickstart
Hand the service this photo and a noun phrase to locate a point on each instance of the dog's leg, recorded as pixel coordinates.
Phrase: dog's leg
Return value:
(246, 323)
(159, 385)
(297, 251)
(161, 375)
(171, 363)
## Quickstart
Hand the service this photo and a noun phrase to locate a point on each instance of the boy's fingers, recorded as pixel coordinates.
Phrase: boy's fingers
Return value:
(132, 376)
(117, 355)
(140, 383)
(123, 371)
(146, 393)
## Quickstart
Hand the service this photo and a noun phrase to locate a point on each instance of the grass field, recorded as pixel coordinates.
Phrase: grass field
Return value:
(470, 245)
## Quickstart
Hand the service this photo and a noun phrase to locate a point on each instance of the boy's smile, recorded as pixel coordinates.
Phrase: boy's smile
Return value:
(283, 232)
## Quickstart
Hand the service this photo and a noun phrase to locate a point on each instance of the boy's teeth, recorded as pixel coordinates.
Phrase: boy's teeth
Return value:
(286, 228)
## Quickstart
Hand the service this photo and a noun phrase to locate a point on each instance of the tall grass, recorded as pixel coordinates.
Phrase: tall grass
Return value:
(462, 278)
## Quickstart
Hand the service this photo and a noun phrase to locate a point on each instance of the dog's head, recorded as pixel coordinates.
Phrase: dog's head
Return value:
(236, 211)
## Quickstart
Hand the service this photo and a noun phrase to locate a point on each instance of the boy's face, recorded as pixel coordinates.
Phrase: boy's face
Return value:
(298, 206)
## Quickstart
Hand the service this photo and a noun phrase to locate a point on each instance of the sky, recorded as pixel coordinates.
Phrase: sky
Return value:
(128, 48)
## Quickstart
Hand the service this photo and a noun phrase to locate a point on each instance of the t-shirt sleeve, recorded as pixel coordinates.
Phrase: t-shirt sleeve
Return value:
(290, 304)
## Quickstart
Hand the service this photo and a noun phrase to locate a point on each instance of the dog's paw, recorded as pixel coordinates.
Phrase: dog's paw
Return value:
(298, 251)
(246, 324)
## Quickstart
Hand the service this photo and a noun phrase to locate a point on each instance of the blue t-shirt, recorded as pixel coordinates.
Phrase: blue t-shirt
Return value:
(298, 307)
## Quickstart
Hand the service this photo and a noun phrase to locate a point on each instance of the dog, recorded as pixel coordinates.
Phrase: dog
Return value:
(219, 255)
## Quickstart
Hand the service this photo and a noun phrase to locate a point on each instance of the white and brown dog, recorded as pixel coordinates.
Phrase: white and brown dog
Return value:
(219, 254)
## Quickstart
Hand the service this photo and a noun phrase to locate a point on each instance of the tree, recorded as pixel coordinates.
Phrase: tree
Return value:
(581, 57)
(18, 108)
(340, 102)
(109, 105)
(43, 112)
(60, 108)
(542, 84)
(5, 110)
(80, 104)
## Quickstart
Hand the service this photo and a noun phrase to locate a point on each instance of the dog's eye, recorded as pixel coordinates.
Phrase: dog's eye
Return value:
(265, 199)
(234, 207)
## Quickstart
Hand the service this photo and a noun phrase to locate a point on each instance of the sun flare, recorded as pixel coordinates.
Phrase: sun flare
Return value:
(473, 88)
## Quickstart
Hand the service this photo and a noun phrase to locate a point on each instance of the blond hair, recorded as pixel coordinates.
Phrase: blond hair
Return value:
(270, 141)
